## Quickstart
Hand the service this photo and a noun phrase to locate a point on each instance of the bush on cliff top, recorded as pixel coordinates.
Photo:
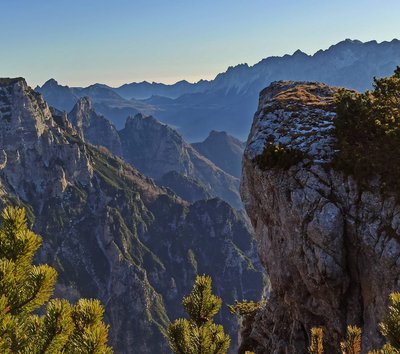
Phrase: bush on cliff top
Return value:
(368, 132)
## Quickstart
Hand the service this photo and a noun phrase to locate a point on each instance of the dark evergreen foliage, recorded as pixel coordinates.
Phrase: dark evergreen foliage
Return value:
(24, 288)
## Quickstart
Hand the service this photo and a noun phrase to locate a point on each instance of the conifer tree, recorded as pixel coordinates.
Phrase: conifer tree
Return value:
(352, 344)
(390, 327)
(316, 342)
(24, 288)
(199, 334)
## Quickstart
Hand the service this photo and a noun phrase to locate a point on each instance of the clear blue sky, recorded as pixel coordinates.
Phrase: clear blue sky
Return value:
(79, 42)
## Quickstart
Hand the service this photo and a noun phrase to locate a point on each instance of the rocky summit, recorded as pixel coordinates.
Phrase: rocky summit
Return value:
(95, 128)
(331, 247)
(111, 232)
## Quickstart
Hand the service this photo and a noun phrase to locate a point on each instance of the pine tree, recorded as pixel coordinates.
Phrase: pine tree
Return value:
(24, 288)
(390, 327)
(199, 334)
(316, 343)
(352, 344)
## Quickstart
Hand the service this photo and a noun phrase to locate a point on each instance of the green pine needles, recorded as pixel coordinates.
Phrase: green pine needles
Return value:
(368, 132)
(24, 288)
(390, 327)
(199, 334)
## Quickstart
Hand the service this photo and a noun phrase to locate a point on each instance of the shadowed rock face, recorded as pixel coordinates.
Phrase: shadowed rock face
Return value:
(156, 149)
(186, 187)
(224, 150)
(331, 249)
(110, 231)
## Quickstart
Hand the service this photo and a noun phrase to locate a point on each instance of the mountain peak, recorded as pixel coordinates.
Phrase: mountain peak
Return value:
(24, 115)
(140, 117)
(7, 81)
(51, 83)
(85, 103)
(82, 114)
(298, 52)
(217, 134)
(223, 150)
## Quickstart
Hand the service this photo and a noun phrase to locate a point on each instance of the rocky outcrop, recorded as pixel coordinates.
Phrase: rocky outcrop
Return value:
(111, 232)
(94, 128)
(224, 150)
(331, 248)
(156, 149)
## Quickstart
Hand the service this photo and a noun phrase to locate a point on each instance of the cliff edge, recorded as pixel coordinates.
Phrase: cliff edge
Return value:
(331, 248)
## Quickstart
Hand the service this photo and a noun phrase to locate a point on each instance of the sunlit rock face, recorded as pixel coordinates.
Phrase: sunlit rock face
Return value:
(331, 249)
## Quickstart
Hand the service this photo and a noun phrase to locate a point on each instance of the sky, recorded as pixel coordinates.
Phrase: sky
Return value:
(81, 42)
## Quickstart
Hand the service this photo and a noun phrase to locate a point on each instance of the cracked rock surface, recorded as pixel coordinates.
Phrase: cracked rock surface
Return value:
(330, 248)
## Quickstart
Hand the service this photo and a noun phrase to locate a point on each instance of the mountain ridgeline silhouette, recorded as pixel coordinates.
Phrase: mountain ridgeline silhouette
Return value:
(227, 102)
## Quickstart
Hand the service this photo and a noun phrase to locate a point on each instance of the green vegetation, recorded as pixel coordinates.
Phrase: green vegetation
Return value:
(199, 334)
(368, 132)
(390, 328)
(316, 343)
(278, 156)
(352, 344)
(25, 288)
(245, 307)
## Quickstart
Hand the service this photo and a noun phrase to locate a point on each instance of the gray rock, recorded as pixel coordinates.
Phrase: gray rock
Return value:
(330, 248)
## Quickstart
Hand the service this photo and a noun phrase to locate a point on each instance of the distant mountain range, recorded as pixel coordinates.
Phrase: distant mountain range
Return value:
(228, 102)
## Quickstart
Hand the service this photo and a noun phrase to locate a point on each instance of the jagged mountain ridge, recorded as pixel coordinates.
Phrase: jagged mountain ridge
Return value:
(105, 100)
(331, 247)
(155, 149)
(231, 98)
(227, 102)
(111, 232)
(95, 128)
(144, 90)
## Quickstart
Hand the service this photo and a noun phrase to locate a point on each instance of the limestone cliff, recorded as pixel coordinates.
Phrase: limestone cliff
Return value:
(331, 248)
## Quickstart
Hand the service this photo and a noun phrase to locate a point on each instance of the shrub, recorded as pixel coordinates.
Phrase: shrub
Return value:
(278, 156)
(368, 132)
(245, 307)
(199, 334)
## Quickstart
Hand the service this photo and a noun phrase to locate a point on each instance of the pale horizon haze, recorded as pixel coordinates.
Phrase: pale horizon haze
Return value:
(82, 42)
